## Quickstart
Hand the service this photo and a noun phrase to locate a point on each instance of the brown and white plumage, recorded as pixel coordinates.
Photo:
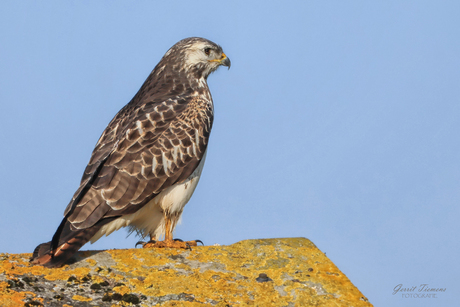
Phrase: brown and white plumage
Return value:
(148, 160)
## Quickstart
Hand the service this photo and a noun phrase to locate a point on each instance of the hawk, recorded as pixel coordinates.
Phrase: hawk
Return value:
(148, 161)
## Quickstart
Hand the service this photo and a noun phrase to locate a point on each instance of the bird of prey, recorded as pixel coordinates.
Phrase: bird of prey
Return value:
(148, 161)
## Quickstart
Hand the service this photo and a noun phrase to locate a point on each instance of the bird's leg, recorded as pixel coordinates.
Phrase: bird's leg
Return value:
(169, 241)
(168, 229)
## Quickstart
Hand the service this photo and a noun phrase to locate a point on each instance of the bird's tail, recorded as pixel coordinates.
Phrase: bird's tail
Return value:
(69, 244)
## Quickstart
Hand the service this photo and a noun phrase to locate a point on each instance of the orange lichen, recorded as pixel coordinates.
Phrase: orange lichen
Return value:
(122, 289)
(63, 274)
(91, 262)
(97, 279)
(81, 298)
(273, 272)
(9, 297)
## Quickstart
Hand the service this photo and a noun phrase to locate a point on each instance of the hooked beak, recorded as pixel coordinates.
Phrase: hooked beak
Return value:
(224, 61)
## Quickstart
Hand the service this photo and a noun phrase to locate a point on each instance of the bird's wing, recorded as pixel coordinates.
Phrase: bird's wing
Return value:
(142, 152)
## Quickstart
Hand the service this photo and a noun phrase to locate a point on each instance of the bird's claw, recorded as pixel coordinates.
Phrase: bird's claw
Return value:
(187, 244)
(196, 241)
(199, 241)
(161, 244)
(144, 243)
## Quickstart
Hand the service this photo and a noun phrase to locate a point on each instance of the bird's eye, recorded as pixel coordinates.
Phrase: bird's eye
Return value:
(207, 51)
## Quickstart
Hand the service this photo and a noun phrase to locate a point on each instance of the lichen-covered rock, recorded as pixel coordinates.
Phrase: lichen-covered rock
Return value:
(271, 272)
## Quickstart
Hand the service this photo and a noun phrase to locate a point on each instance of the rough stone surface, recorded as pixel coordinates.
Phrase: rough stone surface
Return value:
(270, 272)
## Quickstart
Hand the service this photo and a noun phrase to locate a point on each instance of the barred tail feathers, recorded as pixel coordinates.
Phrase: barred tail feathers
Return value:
(70, 243)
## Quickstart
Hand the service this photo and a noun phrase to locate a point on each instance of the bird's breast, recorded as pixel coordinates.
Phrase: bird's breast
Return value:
(173, 199)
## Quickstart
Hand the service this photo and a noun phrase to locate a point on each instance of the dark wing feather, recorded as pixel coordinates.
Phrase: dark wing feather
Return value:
(143, 151)
(155, 141)
(162, 145)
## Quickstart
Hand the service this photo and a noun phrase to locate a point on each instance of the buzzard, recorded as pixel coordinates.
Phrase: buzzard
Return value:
(148, 161)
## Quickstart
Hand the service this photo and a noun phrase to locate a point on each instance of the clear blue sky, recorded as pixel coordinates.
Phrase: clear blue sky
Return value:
(339, 121)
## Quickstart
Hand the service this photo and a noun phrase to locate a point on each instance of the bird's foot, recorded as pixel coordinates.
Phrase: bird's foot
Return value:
(176, 243)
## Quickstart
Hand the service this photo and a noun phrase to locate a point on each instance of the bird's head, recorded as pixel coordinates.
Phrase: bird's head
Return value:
(196, 56)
